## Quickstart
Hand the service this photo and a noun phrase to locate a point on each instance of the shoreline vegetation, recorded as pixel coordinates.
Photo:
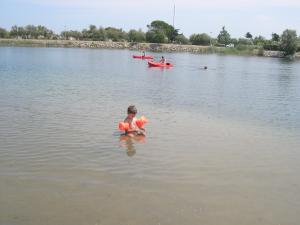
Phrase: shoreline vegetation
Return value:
(135, 46)
(160, 37)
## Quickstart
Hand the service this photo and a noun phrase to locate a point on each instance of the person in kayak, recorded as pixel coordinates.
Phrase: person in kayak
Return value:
(163, 60)
(143, 53)
(131, 120)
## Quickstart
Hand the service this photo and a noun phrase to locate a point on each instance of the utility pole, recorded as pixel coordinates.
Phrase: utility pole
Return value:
(174, 16)
(65, 32)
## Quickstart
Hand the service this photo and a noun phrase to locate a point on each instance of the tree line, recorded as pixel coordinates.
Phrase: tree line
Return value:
(160, 32)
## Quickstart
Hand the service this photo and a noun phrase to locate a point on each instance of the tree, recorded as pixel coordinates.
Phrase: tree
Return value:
(31, 31)
(248, 35)
(234, 41)
(156, 36)
(136, 36)
(3, 33)
(271, 45)
(260, 40)
(245, 41)
(200, 39)
(94, 34)
(169, 31)
(16, 32)
(43, 32)
(275, 37)
(224, 36)
(181, 39)
(71, 34)
(93, 28)
(115, 34)
(100, 34)
(288, 42)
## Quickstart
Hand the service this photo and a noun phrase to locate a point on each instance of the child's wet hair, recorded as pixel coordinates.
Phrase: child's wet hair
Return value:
(132, 110)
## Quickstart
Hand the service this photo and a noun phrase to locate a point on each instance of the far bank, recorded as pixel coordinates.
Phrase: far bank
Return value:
(154, 47)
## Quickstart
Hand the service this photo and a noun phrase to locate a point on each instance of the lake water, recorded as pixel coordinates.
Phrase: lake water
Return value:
(222, 145)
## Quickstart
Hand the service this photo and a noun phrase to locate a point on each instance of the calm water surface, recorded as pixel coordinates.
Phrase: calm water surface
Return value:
(222, 145)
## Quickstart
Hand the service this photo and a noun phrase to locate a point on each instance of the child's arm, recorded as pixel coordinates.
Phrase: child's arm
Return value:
(131, 130)
(142, 131)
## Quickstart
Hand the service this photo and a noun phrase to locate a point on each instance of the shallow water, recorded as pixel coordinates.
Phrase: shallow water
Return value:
(222, 145)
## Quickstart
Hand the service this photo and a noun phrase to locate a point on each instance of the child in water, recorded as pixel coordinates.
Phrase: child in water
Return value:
(133, 128)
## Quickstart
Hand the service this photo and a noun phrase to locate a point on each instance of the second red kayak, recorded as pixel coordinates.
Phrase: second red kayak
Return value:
(142, 57)
(159, 64)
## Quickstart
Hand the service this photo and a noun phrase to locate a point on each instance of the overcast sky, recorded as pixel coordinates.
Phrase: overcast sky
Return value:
(191, 16)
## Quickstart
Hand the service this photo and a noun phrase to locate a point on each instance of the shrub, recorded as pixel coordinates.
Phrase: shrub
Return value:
(156, 36)
(244, 41)
(3, 33)
(288, 42)
(271, 45)
(136, 36)
(181, 39)
(260, 40)
(234, 41)
(115, 34)
(200, 39)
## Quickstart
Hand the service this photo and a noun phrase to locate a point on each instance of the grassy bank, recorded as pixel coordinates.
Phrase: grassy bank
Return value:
(36, 43)
(239, 50)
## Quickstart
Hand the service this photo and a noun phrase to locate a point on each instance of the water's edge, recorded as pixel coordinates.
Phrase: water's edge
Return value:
(154, 47)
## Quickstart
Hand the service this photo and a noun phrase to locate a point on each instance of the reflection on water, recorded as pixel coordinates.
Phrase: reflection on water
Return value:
(128, 143)
(222, 146)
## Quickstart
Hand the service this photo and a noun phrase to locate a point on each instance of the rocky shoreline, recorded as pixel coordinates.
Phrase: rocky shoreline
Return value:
(136, 46)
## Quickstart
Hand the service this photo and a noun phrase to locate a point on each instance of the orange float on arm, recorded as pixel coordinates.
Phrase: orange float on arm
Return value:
(142, 121)
(123, 126)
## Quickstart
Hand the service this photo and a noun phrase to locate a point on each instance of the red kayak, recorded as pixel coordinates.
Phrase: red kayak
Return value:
(159, 64)
(142, 57)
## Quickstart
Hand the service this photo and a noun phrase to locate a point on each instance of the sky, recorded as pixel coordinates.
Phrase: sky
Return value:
(191, 16)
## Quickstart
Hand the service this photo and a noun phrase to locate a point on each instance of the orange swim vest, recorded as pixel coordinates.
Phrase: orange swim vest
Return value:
(123, 126)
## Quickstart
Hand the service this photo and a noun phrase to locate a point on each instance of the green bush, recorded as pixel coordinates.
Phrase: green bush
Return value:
(271, 45)
(71, 34)
(181, 39)
(136, 36)
(156, 36)
(116, 34)
(288, 42)
(93, 34)
(275, 37)
(260, 40)
(234, 41)
(3, 33)
(245, 41)
(242, 47)
(200, 39)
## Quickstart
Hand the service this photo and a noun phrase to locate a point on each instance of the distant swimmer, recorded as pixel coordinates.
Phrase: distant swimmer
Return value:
(205, 67)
